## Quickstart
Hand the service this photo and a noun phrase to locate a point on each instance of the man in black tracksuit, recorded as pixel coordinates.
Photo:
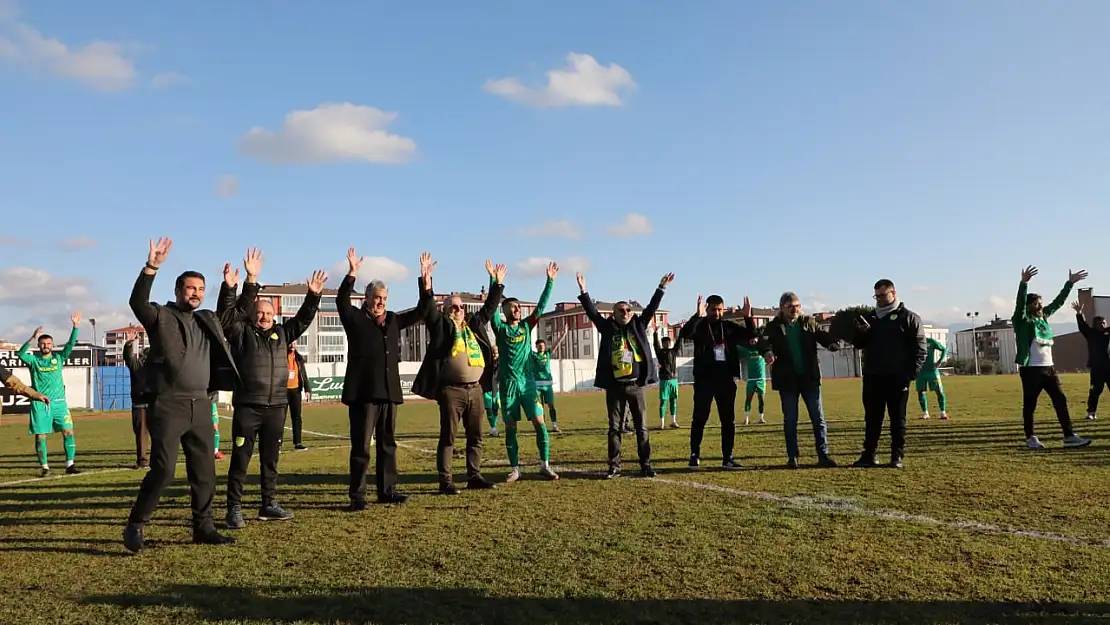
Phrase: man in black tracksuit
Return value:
(295, 385)
(135, 359)
(1098, 356)
(624, 368)
(716, 367)
(894, 349)
(260, 348)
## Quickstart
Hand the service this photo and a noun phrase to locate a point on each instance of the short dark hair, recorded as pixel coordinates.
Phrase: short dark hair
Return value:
(1031, 297)
(713, 300)
(884, 284)
(666, 338)
(43, 337)
(538, 341)
(1098, 319)
(508, 300)
(180, 283)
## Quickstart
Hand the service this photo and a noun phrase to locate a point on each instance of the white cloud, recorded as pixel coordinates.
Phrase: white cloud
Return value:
(77, 243)
(101, 65)
(989, 308)
(10, 241)
(39, 298)
(169, 79)
(584, 82)
(562, 228)
(328, 133)
(373, 268)
(536, 266)
(227, 185)
(633, 225)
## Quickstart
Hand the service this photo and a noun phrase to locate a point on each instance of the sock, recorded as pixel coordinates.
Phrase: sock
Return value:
(542, 443)
(216, 433)
(554, 419)
(491, 416)
(747, 404)
(70, 446)
(40, 448)
(511, 448)
(674, 410)
(924, 402)
(761, 406)
(943, 401)
(663, 412)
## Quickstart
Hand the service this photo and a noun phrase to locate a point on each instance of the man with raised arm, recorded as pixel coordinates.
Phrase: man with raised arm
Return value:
(1098, 356)
(458, 358)
(541, 372)
(716, 367)
(517, 386)
(624, 368)
(667, 355)
(189, 358)
(372, 384)
(929, 379)
(260, 348)
(46, 378)
(134, 356)
(789, 342)
(1036, 369)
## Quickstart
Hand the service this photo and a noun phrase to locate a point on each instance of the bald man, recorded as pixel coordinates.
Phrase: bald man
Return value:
(260, 348)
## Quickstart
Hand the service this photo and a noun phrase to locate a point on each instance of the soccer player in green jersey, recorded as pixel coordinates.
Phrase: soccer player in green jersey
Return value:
(215, 398)
(755, 372)
(541, 372)
(46, 378)
(517, 386)
(929, 378)
(667, 355)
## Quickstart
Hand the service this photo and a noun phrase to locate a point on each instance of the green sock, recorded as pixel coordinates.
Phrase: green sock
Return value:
(542, 442)
(70, 446)
(491, 416)
(216, 432)
(674, 408)
(663, 410)
(40, 448)
(748, 403)
(923, 401)
(511, 447)
(761, 404)
(554, 419)
(942, 400)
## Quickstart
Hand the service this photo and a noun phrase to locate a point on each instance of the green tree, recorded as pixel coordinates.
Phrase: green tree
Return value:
(845, 320)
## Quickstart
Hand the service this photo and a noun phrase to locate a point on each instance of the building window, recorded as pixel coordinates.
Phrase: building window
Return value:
(332, 358)
(585, 349)
(291, 302)
(331, 340)
(329, 322)
(302, 341)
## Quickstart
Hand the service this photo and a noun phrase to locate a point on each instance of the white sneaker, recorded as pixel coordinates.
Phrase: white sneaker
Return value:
(747, 418)
(1033, 443)
(1092, 416)
(943, 416)
(1076, 440)
(555, 427)
(548, 472)
(925, 415)
(493, 432)
(513, 476)
(662, 424)
(761, 419)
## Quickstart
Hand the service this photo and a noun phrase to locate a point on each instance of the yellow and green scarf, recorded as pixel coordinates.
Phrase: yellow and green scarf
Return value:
(466, 341)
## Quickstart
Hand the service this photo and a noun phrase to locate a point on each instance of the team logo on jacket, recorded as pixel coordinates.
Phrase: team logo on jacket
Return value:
(53, 361)
(895, 316)
(240, 441)
(274, 336)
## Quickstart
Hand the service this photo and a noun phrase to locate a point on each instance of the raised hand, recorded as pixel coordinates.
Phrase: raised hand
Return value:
(1028, 273)
(253, 262)
(130, 336)
(499, 273)
(76, 318)
(769, 357)
(159, 251)
(490, 267)
(37, 332)
(665, 280)
(427, 265)
(1077, 276)
(1077, 306)
(354, 261)
(552, 270)
(317, 281)
(746, 311)
(581, 281)
(701, 306)
(231, 278)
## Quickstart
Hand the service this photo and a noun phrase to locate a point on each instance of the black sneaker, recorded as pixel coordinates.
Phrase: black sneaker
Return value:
(826, 462)
(133, 537)
(866, 461)
(896, 461)
(72, 470)
(647, 471)
(448, 489)
(731, 464)
(479, 483)
(274, 512)
(211, 537)
(695, 461)
(299, 447)
(234, 518)
(45, 472)
(792, 463)
(357, 505)
(613, 473)
(392, 497)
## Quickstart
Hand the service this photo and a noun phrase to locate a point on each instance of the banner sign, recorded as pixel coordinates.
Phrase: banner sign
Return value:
(331, 388)
(80, 357)
(14, 404)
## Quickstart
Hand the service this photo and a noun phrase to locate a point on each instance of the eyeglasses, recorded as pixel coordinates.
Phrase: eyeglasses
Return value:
(883, 295)
(623, 310)
(458, 307)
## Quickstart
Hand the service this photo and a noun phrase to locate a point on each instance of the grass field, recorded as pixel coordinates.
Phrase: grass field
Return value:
(974, 530)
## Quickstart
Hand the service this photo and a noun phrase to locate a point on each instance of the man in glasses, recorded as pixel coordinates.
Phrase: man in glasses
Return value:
(893, 344)
(624, 368)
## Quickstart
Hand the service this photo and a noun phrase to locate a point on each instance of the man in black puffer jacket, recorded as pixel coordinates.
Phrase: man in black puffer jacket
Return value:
(1098, 355)
(260, 348)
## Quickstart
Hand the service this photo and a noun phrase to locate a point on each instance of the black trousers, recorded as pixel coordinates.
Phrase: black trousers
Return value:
(368, 420)
(723, 392)
(185, 421)
(457, 403)
(1033, 381)
(617, 398)
(142, 437)
(294, 398)
(248, 423)
(1100, 378)
(884, 394)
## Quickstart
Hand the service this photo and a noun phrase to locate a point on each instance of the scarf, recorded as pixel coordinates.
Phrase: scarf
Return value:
(883, 311)
(466, 341)
(1042, 332)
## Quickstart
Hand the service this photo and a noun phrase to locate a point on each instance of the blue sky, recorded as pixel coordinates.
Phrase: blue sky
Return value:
(758, 147)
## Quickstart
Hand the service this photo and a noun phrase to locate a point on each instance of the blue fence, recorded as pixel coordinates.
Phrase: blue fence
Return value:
(113, 389)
